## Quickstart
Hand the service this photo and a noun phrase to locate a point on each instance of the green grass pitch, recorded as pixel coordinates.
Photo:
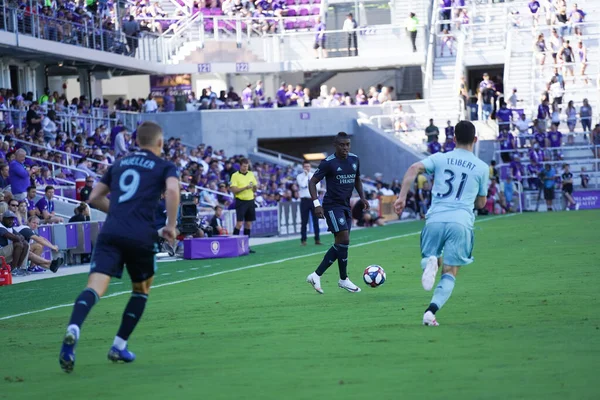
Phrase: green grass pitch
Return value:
(522, 324)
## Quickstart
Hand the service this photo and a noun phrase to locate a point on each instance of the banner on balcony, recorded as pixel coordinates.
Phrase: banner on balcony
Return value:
(179, 84)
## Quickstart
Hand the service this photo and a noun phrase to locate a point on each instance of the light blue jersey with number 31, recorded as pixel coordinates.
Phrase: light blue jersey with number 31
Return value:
(459, 177)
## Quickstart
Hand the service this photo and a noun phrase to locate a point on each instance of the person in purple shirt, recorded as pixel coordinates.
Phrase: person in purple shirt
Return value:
(281, 96)
(19, 176)
(247, 95)
(504, 117)
(543, 113)
(258, 91)
(320, 38)
(45, 206)
(268, 103)
(534, 6)
(554, 137)
(449, 144)
(291, 97)
(31, 208)
(168, 101)
(540, 138)
(535, 153)
(434, 146)
(446, 14)
(517, 169)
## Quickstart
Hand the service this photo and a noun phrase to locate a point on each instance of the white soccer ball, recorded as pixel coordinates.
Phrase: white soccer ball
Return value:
(374, 276)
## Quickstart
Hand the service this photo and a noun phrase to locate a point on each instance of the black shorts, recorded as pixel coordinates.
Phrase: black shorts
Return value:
(338, 219)
(112, 253)
(567, 188)
(319, 43)
(245, 210)
(548, 194)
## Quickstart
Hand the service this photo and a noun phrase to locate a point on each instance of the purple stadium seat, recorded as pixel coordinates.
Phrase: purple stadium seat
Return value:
(244, 26)
(304, 2)
(165, 25)
(316, 11)
(195, 10)
(221, 24)
(310, 23)
(302, 25)
(205, 11)
(289, 25)
(208, 25)
(291, 13)
(216, 11)
(303, 12)
(316, 2)
(290, 2)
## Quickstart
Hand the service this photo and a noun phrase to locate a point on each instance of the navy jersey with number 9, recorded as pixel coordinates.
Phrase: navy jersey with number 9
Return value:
(136, 183)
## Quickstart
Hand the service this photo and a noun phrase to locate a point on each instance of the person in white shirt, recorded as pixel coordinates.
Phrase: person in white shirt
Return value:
(306, 204)
(150, 105)
(49, 127)
(121, 146)
(522, 126)
(350, 28)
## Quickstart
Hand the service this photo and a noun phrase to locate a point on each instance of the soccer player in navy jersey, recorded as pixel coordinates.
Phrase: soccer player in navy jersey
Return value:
(128, 237)
(341, 171)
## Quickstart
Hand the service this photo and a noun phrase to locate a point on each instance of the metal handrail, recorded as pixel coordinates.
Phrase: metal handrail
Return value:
(75, 156)
(61, 166)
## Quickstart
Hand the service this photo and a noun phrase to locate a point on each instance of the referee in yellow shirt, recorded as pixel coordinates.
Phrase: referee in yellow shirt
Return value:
(243, 186)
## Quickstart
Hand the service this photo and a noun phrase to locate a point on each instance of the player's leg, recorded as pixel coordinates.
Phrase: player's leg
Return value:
(141, 266)
(342, 242)
(330, 256)
(304, 213)
(106, 263)
(315, 222)
(249, 218)
(458, 247)
(432, 244)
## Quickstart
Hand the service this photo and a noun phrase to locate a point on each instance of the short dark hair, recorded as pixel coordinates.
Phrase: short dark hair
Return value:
(341, 136)
(48, 188)
(31, 188)
(148, 133)
(244, 161)
(305, 162)
(464, 132)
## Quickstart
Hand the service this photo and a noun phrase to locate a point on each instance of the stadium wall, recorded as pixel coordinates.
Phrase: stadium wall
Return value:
(381, 152)
(238, 131)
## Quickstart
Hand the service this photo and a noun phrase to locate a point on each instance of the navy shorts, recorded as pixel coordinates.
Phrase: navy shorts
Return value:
(338, 219)
(114, 253)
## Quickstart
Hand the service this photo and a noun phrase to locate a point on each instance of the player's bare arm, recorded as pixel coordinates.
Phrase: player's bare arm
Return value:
(359, 189)
(312, 189)
(407, 182)
(480, 202)
(172, 203)
(98, 198)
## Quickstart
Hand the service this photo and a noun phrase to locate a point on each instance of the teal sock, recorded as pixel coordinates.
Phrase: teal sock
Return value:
(443, 291)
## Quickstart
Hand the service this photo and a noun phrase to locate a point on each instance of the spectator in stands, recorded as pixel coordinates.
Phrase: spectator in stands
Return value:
(554, 142)
(595, 139)
(13, 205)
(571, 112)
(34, 121)
(45, 206)
(541, 48)
(567, 57)
(320, 39)
(585, 115)
(36, 247)
(522, 125)
(411, 25)
(121, 143)
(49, 126)
(22, 212)
(585, 178)
(507, 144)
(504, 117)
(447, 41)
(487, 91)
(81, 213)
(449, 144)
(350, 29)
(13, 247)
(431, 131)
(31, 209)
(424, 199)
(543, 115)
(4, 176)
(434, 146)
(131, 28)
(85, 192)
(548, 175)
(576, 17)
(216, 222)
(19, 176)
(150, 105)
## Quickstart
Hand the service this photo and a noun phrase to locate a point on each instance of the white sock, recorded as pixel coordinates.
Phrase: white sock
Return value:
(119, 343)
(74, 329)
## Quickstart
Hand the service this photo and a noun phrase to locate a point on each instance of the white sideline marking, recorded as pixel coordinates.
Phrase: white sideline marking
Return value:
(282, 260)
(116, 283)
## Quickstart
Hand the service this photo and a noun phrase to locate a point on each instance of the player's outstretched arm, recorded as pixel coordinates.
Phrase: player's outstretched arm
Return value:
(98, 198)
(407, 182)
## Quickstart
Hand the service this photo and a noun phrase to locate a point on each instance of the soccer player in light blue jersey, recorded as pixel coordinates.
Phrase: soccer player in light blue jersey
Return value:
(460, 185)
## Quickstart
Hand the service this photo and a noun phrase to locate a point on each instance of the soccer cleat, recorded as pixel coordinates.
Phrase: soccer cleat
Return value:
(429, 273)
(348, 285)
(116, 355)
(429, 319)
(315, 281)
(67, 351)
(56, 264)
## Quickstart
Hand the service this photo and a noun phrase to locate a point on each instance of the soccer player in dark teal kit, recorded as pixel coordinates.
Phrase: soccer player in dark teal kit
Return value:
(341, 171)
(128, 237)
